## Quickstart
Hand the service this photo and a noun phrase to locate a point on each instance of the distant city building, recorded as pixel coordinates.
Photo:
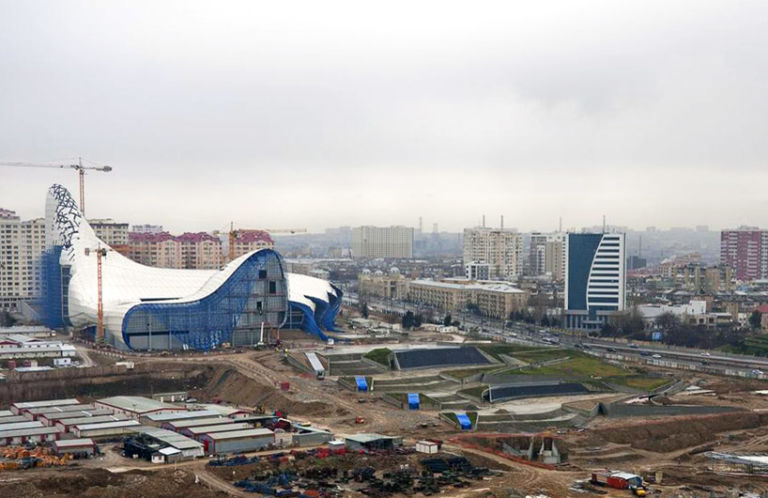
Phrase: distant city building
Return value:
(669, 267)
(636, 262)
(21, 248)
(491, 299)
(200, 251)
(390, 285)
(547, 255)
(477, 271)
(252, 240)
(702, 279)
(395, 242)
(147, 228)
(502, 250)
(745, 249)
(595, 284)
(161, 250)
(110, 231)
(194, 251)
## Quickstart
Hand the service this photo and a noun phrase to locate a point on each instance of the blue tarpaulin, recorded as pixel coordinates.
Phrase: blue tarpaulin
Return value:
(464, 422)
(362, 385)
(413, 401)
(655, 336)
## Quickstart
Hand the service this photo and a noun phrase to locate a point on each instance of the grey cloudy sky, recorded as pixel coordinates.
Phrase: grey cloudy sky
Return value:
(326, 113)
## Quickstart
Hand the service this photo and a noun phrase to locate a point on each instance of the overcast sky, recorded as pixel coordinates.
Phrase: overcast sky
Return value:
(320, 113)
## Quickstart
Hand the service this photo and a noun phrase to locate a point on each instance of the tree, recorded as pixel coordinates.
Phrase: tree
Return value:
(418, 319)
(667, 321)
(447, 320)
(755, 320)
(544, 321)
(609, 330)
(408, 320)
(364, 309)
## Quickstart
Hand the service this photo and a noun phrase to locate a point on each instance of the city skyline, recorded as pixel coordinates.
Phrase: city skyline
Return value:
(535, 112)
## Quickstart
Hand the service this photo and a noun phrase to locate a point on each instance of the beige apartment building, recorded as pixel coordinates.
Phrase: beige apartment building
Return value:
(395, 242)
(194, 251)
(502, 250)
(110, 231)
(383, 285)
(161, 250)
(21, 248)
(252, 240)
(493, 299)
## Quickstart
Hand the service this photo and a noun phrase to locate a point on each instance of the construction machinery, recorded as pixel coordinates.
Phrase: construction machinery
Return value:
(77, 167)
(101, 252)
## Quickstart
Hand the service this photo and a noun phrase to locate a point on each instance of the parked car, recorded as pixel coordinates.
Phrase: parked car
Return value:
(657, 356)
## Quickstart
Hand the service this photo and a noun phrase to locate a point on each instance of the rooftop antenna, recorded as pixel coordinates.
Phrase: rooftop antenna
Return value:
(560, 225)
(502, 222)
(483, 221)
(603, 223)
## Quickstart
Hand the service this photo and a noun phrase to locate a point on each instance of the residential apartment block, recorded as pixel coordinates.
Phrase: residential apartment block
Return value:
(110, 232)
(501, 249)
(745, 249)
(21, 249)
(492, 299)
(252, 240)
(395, 242)
(547, 255)
(197, 251)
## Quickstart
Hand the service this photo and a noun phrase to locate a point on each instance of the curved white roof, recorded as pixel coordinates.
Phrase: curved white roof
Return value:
(126, 283)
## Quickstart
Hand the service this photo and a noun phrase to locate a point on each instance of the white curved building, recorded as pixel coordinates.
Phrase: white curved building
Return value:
(147, 308)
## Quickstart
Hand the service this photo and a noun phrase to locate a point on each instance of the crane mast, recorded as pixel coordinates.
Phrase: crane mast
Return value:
(77, 167)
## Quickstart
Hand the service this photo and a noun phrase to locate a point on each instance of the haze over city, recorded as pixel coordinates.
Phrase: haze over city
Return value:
(340, 113)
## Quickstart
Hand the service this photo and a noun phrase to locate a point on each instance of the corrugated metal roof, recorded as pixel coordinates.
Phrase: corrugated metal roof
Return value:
(108, 425)
(51, 402)
(70, 443)
(137, 404)
(217, 436)
(168, 417)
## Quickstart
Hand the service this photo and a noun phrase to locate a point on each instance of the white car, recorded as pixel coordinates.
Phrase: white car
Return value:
(657, 356)
(705, 353)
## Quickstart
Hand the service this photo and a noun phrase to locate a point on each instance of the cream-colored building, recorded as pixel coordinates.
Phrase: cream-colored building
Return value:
(395, 242)
(252, 240)
(110, 231)
(501, 249)
(493, 299)
(21, 249)
(390, 285)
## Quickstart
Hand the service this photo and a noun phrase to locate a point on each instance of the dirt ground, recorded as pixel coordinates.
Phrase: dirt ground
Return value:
(99, 483)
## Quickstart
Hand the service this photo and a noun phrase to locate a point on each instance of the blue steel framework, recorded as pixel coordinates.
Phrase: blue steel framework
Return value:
(206, 323)
(202, 324)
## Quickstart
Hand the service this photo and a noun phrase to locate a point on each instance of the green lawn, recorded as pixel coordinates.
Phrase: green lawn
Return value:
(476, 391)
(508, 349)
(579, 365)
(379, 355)
(469, 372)
(639, 382)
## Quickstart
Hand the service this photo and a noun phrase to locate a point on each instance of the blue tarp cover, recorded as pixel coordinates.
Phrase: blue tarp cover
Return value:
(362, 385)
(413, 401)
(464, 422)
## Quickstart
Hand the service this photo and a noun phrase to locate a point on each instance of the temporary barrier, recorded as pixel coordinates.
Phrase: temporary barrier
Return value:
(413, 401)
(464, 422)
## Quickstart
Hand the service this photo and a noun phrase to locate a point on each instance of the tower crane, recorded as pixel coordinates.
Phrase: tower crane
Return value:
(77, 167)
(235, 233)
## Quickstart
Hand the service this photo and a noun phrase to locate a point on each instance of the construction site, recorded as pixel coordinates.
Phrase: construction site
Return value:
(427, 417)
